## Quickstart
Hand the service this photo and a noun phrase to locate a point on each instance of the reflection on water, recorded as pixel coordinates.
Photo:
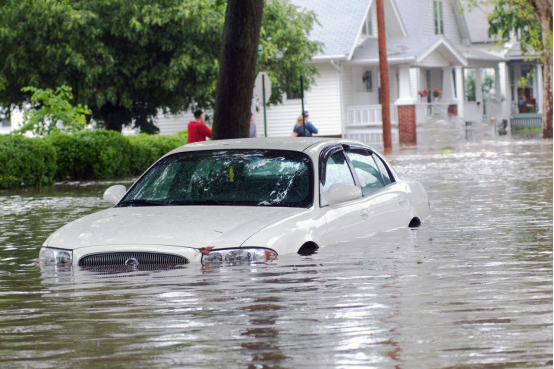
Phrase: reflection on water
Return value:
(471, 289)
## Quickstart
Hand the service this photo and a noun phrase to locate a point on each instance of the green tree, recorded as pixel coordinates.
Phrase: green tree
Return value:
(127, 60)
(532, 21)
(52, 111)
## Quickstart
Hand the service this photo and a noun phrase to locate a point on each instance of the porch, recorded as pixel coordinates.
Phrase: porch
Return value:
(360, 116)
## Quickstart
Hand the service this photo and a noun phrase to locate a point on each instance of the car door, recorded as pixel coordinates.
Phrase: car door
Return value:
(343, 220)
(386, 204)
(395, 205)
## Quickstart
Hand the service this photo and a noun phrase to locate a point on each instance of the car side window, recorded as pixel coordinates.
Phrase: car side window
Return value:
(337, 171)
(387, 176)
(366, 170)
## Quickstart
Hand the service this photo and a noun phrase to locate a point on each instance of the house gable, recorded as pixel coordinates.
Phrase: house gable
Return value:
(449, 23)
(434, 59)
(394, 26)
(441, 54)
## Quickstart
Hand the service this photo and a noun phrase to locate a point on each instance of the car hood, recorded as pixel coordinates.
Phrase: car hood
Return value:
(187, 226)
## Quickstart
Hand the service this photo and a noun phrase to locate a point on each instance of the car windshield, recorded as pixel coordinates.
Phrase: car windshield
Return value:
(226, 177)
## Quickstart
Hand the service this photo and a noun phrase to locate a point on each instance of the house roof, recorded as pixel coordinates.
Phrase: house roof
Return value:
(340, 22)
(476, 18)
(413, 13)
(410, 49)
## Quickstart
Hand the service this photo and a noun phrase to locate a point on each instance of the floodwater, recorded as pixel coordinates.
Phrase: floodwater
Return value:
(472, 288)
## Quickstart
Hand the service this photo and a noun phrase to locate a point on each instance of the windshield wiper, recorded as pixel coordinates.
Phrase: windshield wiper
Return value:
(142, 202)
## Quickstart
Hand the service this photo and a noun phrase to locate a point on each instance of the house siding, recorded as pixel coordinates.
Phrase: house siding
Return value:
(451, 30)
(171, 124)
(322, 101)
(435, 59)
(347, 90)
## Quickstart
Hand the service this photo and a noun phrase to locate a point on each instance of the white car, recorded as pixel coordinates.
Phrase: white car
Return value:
(242, 200)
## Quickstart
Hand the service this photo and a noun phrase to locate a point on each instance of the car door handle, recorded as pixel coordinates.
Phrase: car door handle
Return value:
(364, 214)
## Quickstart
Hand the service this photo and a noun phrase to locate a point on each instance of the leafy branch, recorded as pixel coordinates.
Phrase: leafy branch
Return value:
(51, 111)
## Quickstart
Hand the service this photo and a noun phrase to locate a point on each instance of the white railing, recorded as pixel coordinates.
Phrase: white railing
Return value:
(368, 115)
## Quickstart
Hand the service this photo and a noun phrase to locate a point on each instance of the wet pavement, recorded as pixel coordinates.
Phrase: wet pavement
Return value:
(472, 288)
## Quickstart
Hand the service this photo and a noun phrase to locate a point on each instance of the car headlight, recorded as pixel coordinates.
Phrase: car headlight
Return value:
(52, 256)
(250, 254)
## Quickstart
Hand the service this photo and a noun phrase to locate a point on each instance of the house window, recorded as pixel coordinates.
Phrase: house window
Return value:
(367, 29)
(294, 96)
(439, 17)
(368, 79)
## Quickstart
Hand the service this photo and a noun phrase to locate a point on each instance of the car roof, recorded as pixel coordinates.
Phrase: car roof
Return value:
(273, 143)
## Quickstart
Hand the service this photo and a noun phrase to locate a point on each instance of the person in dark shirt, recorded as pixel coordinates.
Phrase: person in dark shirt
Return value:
(197, 129)
(309, 126)
(298, 130)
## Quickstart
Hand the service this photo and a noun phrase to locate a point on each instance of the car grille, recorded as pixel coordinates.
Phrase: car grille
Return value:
(132, 259)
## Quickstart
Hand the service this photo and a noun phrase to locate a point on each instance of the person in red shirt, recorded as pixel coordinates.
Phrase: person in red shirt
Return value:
(197, 130)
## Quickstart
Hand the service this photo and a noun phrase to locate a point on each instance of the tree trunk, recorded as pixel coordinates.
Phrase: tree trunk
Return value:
(545, 14)
(237, 66)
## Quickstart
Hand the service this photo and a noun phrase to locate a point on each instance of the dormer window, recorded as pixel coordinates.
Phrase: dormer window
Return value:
(439, 17)
(367, 29)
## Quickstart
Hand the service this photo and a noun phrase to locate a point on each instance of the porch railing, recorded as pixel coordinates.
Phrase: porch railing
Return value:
(527, 120)
(368, 115)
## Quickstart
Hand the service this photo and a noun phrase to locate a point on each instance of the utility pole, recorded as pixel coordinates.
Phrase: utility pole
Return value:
(384, 74)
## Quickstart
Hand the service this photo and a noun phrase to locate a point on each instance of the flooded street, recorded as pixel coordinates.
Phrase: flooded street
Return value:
(472, 288)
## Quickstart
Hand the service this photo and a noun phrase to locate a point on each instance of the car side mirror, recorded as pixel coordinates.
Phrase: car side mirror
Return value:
(115, 193)
(341, 192)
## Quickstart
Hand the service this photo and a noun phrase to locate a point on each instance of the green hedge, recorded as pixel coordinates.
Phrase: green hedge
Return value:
(82, 155)
(26, 161)
(149, 148)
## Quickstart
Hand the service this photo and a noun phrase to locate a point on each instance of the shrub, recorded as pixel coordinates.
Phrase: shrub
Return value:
(108, 154)
(26, 161)
(149, 148)
(79, 155)
(91, 154)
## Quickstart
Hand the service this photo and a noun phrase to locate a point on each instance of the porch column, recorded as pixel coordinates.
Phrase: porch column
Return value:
(406, 108)
(404, 86)
(448, 91)
(460, 90)
(479, 88)
(506, 89)
(497, 89)
(539, 88)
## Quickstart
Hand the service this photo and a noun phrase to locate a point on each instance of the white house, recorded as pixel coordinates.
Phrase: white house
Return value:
(431, 45)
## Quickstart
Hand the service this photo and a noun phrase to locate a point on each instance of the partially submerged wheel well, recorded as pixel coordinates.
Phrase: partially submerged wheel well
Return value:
(414, 223)
(308, 248)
